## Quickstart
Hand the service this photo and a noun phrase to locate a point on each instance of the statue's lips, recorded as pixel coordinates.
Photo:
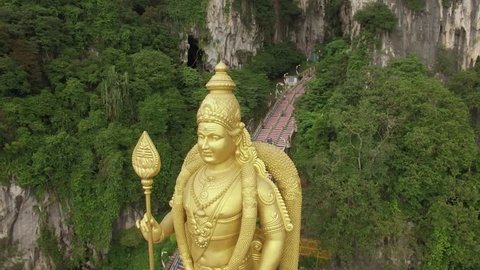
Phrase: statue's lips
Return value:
(207, 154)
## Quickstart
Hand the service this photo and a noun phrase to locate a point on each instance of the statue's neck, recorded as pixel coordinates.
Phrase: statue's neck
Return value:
(216, 169)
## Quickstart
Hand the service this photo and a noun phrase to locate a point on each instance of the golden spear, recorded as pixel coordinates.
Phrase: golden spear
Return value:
(146, 163)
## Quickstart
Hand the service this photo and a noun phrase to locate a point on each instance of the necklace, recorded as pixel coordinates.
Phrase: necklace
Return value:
(202, 206)
(202, 226)
(210, 183)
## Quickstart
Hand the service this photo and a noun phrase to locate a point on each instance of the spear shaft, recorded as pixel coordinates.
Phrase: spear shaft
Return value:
(146, 163)
(147, 187)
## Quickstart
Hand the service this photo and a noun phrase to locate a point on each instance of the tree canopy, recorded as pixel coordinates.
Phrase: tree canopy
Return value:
(79, 82)
(391, 165)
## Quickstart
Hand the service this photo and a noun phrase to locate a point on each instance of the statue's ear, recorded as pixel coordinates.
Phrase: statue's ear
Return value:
(237, 132)
(238, 140)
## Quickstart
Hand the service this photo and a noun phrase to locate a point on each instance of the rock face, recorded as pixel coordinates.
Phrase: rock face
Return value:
(21, 218)
(310, 27)
(20, 229)
(461, 30)
(229, 37)
(233, 41)
(456, 27)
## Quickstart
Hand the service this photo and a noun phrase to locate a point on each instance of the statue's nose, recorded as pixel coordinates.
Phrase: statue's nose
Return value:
(205, 144)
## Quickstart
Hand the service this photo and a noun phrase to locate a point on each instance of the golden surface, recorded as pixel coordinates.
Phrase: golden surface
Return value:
(226, 213)
(145, 158)
(220, 81)
(146, 163)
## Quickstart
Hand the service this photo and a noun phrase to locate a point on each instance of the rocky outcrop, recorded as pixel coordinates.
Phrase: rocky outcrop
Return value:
(20, 229)
(460, 30)
(234, 40)
(21, 218)
(127, 218)
(230, 39)
(422, 33)
(309, 30)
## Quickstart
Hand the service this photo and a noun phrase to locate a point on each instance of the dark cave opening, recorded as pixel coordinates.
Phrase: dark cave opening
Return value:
(139, 9)
(194, 53)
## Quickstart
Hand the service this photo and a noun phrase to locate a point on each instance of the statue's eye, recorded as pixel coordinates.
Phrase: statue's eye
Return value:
(200, 136)
(215, 137)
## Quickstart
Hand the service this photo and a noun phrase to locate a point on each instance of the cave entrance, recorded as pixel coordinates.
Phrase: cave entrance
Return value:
(194, 53)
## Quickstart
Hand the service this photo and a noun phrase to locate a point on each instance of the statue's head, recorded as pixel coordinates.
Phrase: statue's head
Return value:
(220, 130)
(221, 133)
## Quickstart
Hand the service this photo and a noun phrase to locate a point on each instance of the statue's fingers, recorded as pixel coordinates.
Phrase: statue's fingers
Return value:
(144, 227)
(152, 222)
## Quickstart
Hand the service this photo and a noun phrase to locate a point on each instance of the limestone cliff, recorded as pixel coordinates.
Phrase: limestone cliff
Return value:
(310, 27)
(232, 37)
(22, 216)
(456, 27)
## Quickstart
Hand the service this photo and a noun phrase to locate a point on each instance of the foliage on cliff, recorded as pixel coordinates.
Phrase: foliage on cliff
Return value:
(333, 18)
(466, 85)
(267, 14)
(275, 60)
(376, 18)
(415, 5)
(391, 164)
(79, 82)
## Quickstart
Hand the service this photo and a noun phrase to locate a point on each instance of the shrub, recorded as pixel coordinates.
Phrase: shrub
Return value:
(376, 18)
(275, 60)
(446, 3)
(446, 62)
(415, 5)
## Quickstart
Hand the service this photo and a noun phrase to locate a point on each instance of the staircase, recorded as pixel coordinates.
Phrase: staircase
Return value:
(279, 124)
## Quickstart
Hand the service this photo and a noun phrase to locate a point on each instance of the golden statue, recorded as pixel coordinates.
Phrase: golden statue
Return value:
(228, 211)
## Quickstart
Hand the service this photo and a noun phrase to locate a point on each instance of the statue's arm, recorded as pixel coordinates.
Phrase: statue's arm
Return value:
(167, 225)
(272, 226)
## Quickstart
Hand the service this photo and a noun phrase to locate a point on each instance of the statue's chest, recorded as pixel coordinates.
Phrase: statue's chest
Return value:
(208, 207)
(218, 201)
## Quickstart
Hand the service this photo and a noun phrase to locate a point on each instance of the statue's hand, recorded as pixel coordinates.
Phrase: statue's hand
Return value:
(157, 231)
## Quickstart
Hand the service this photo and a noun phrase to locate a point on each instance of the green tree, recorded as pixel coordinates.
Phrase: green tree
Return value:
(376, 18)
(13, 80)
(252, 91)
(466, 85)
(115, 94)
(275, 60)
(446, 61)
(187, 13)
(415, 5)
(152, 72)
(389, 160)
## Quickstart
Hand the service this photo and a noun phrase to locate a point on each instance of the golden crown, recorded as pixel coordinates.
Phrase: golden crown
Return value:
(220, 105)
(220, 81)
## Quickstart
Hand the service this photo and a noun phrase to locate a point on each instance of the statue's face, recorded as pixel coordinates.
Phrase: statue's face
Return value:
(214, 143)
